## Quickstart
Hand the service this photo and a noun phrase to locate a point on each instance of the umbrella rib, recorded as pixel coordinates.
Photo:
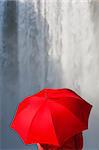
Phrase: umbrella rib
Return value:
(64, 97)
(78, 96)
(53, 127)
(34, 117)
(71, 113)
(68, 109)
(28, 103)
(84, 128)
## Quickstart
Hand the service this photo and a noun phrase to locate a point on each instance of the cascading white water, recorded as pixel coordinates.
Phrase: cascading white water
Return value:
(48, 44)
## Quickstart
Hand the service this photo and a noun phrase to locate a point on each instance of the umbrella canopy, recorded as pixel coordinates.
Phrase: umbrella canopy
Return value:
(51, 116)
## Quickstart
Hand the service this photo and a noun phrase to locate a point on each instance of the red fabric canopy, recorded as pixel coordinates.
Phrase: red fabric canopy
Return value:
(51, 116)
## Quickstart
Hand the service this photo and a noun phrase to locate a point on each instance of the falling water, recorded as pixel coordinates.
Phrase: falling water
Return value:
(1, 60)
(48, 44)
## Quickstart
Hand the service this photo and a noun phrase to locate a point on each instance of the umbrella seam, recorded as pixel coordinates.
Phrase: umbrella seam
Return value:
(53, 125)
(75, 117)
(34, 118)
(68, 108)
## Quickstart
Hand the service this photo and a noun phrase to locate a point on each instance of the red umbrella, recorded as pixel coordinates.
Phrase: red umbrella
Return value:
(51, 116)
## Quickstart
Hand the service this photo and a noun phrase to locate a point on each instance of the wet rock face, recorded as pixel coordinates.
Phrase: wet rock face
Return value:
(48, 44)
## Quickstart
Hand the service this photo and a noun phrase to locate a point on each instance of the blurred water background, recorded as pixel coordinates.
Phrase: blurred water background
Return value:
(48, 43)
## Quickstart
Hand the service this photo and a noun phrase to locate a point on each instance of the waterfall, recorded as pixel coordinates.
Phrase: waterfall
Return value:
(48, 43)
(1, 60)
